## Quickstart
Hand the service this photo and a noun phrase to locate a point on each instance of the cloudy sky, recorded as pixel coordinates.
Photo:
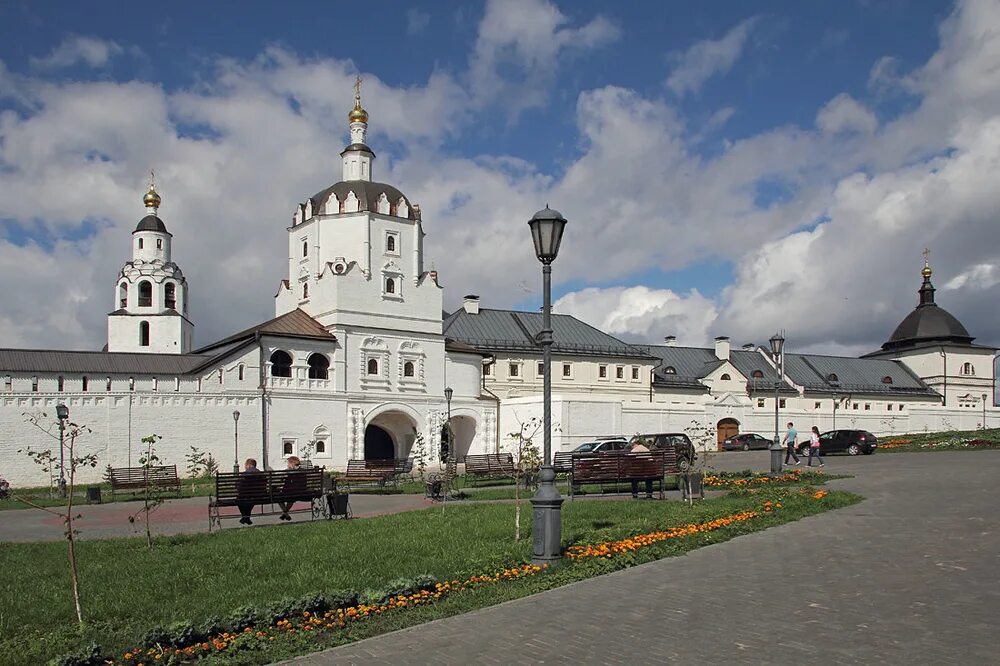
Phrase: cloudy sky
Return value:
(728, 168)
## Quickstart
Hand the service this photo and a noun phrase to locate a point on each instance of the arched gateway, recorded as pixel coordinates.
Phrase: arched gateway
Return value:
(390, 433)
(725, 429)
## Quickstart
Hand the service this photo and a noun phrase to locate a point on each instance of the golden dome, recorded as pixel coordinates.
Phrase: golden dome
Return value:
(357, 114)
(926, 272)
(152, 199)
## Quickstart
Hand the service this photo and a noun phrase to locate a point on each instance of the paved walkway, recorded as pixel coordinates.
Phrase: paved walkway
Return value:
(908, 576)
(175, 516)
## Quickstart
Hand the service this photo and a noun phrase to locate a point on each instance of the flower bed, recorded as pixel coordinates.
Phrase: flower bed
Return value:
(939, 444)
(748, 479)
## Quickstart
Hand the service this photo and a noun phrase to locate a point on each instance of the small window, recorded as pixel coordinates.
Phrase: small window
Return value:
(199, 385)
(140, 243)
(288, 447)
(60, 384)
(760, 402)
(900, 408)
(131, 383)
(390, 243)
(781, 403)
(156, 384)
(619, 373)
(123, 295)
(8, 384)
(513, 369)
(305, 248)
(757, 374)
(670, 370)
(602, 372)
(968, 369)
(177, 383)
(221, 374)
(305, 290)
(832, 377)
(635, 373)
(390, 286)
(725, 377)
(887, 379)
(319, 366)
(889, 407)
(854, 406)
(159, 243)
(817, 405)
(84, 384)
(145, 294)
(143, 333)
(567, 370)
(108, 383)
(488, 370)
(372, 366)
(541, 369)
(867, 406)
(241, 371)
(170, 296)
(408, 369)
(320, 446)
(34, 384)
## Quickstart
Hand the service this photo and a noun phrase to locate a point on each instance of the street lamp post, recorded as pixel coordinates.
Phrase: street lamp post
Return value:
(547, 227)
(448, 392)
(836, 403)
(236, 441)
(984, 410)
(777, 343)
(62, 412)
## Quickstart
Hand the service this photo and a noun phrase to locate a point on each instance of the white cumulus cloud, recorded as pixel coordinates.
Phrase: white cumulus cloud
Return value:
(76, 49)
(709, 57)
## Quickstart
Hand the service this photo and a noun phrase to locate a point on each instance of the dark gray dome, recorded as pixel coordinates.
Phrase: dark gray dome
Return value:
(368, 194)
(151, 223)
(928, 323)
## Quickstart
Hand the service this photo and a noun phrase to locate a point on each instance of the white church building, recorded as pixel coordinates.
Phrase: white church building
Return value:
(355, 363)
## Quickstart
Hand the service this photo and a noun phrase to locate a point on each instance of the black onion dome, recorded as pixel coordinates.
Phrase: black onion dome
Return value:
(151, 223)
(367, 192)
(928, 323)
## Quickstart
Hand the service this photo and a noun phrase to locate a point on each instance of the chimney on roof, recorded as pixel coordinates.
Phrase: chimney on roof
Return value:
(722, 348)
(749, 346)
(670, 341)
(471, 304)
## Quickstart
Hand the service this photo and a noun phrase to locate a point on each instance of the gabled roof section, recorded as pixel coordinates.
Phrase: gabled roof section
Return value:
(512, 331)
(689, 365)
(294, 324)
(816, 373)
(749, 362)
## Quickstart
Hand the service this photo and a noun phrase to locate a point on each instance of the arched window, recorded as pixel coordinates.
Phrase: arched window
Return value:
(726, 377)
(390, 286)
(159, 243)
(170, 296)
(319, 367)
(305, 248)
(832, 377)
(143, 333)
(968, 369)
(60, 383)
(107, 384)
(145, 294)
(281, 364)
(390, 244)
(84, 383)
(670, 370)
(408, 369)
(140, 243)
(241, 371)
(305, 290)
(123, 295)
(887, 379)
(757, 374)
(372, 366)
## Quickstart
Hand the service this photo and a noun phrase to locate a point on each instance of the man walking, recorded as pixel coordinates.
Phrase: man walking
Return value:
(790, 436)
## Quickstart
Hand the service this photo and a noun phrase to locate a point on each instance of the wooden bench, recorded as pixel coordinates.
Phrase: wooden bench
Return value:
(370, 472)
(267, 489)
(135, 479)
(562, 462)
(489, 466)
(612, 470)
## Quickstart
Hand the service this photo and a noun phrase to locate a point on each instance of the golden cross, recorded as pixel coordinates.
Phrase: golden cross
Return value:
(357, 89)
(927, 253)
(152, 179)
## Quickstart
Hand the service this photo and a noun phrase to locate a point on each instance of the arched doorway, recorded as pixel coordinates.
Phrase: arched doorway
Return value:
(464, 431)
(378, 444)
(725, 429)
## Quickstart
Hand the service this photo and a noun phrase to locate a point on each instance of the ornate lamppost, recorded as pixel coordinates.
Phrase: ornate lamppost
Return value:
(777, 344)
(984, 410)
(547, 227)
(236, 441)
(448, 392)
(62, 413)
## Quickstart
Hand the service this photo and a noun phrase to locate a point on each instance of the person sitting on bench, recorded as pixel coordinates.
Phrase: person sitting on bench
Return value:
(293, 482)
(249, 467)
(638, 447)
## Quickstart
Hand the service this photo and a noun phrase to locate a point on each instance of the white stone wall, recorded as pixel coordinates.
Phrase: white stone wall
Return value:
(584, 377)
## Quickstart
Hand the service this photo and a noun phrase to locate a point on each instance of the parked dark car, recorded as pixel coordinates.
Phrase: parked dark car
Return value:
(677, 440)
(851, 442)
(602, 445)
(746, 441)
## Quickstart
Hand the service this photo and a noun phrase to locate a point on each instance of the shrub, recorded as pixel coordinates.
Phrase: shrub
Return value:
(89, 655)
(4, 488)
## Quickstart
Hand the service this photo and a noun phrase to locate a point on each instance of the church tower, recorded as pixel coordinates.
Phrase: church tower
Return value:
(151, 297)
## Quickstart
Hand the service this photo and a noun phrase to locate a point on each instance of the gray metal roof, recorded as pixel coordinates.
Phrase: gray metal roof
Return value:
(114, 363)
(152, 223)
(368, 194)
(747, 362)
(690, 364)
(863, 375)
(510, 331)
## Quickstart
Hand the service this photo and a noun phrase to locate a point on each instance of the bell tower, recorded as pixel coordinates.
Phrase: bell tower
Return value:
(151, 296)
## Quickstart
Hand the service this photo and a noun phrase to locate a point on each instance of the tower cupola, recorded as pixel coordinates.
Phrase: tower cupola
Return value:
(357, 157)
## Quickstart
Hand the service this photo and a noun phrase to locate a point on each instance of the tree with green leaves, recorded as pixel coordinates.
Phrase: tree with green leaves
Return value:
(152, 494)
(527, 460)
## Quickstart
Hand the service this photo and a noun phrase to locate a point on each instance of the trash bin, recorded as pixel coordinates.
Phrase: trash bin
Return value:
(338, 505)
(93, 494)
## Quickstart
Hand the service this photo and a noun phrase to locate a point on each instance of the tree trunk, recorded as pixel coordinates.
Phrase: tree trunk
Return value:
(517, 510)
(70, 538)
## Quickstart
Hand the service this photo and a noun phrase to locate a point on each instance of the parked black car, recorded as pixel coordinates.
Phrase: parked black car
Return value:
(677, 440)
(851, 442)
(746, 441)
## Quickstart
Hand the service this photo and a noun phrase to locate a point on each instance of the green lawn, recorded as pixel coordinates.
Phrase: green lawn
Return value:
(128, 589)
(955, 440)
